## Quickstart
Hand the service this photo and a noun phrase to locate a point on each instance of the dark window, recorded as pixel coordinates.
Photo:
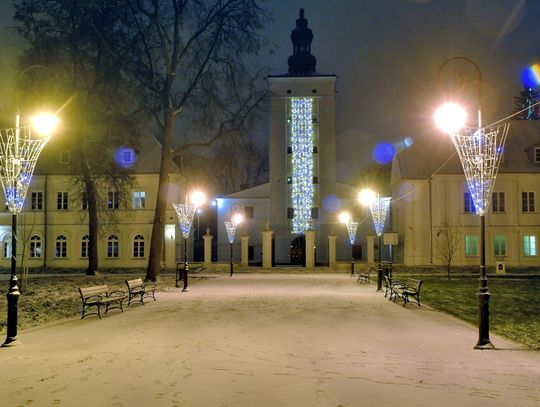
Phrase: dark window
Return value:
(315, 180)
(289, 180)
(468, 204)
(290, 213)
(315, 149)
(537, 155)
(497, 202)
(248, 212)
(251, 252)
(289, 150)
(527, 202)
(62, 200)
(112, 200)
(37, 201)
(314, 213)
(84, 201)
(314, 120)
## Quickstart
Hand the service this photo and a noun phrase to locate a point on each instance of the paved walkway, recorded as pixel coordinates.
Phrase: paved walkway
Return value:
(267, 340)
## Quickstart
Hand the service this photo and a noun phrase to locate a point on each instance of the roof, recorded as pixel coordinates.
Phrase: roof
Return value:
(429, 153)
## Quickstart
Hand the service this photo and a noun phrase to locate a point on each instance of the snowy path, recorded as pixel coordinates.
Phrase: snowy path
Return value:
(267, 340)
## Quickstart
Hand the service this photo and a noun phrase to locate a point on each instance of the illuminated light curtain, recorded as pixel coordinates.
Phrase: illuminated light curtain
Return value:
(231, 230)
(18, 156)
(185, 213)
(302, 163)
(480, 152)
(351, 230)
(379, 209)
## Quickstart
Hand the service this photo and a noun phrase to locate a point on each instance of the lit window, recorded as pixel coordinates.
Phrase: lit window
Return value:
(471, 246)
(527, 202)
(499, 246)
(61, 247)
(62, 201)
(37, 201)
(529, 245)
(468, 203)
(138, 246)
(112, 247)
(497, 202)
(85, 244)
(7, 249)
(112, 200)
(139, 199)
(35, 247)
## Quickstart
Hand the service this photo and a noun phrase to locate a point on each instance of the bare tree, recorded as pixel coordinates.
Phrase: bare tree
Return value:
(448, 245)
(79, 71)
(187, 56)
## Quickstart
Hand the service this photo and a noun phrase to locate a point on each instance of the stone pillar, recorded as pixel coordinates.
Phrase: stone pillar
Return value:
(310, 249)
(267, 248)
(370, 249)
(244, 262)
(332, 252)
(207, 248)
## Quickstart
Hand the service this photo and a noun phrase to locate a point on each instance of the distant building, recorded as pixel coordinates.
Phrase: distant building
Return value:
(429, 198)
(53, 225)
(302, 192)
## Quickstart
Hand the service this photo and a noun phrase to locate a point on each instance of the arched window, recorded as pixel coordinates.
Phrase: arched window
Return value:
(35, 247)
(112, 246)
(138, 246)
(85, 243)
(61, 247)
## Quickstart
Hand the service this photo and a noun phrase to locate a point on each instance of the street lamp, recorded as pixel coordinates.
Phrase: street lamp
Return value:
(351, 226)
(185, 213)
(19, 151)
(231, 231)
(378, 206)
(480, 152)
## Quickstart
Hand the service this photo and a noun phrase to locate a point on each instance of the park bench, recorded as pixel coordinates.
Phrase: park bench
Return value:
(98, 296)
(411, 289)
(364, 276)
(137, 288)
(392, 288)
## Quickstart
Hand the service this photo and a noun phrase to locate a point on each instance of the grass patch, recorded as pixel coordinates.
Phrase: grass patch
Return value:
(514, 304)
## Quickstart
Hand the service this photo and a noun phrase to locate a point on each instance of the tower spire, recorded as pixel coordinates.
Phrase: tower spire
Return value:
(301, 62)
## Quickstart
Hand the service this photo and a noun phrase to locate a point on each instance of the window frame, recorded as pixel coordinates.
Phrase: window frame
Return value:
(498, 202)
(139, 199)
(497, 246)
(113, 247)
(36, 200)
(60, 247)
(35, 246)
(138, 246)
(85, 246)
(113, 200)
(529, 246)
(469, 240)
(62, 201)
(528, 201)
(468, 203)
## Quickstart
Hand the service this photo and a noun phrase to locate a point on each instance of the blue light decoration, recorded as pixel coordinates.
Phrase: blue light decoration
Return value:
(480, 152)
(384, 152)
(352, 227)
(302, 190)
(379, 209)
(231, 230)
(125, 157)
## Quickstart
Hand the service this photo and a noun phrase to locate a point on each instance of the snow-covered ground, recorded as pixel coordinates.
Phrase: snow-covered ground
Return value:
(267, 340)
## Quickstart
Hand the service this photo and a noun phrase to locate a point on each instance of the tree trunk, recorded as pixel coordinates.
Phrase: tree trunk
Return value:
(92, 215)
(156, 243)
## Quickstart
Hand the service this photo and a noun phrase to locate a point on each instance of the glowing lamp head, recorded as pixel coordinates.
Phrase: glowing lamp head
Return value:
(237, 218)
(45, 123)
(450, 118)
(367, 197)
(344, 217)
(198, 198)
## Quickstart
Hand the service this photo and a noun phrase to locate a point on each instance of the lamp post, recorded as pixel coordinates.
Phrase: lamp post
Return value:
(378, 206)
(19, 152)
(480, 152)
(185, 213)
(231, 231)
(352, 227)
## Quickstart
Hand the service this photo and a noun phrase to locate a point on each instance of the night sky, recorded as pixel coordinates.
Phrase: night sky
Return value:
(386, 54)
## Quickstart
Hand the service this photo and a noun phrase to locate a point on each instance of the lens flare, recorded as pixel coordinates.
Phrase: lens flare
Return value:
(384, 152)
(125, 157)
(530, 77)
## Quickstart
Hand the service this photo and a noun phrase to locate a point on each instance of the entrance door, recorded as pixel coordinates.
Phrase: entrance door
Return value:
(298, 251)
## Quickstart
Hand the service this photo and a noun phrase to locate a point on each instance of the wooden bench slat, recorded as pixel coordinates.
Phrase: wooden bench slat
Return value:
(99, 295)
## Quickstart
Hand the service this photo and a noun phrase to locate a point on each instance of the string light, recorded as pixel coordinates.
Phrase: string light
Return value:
(352, 227)
(379, 209)
(480, 152)
(185, 213)
(302, 190)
